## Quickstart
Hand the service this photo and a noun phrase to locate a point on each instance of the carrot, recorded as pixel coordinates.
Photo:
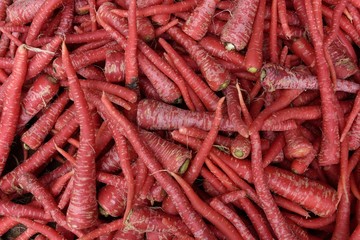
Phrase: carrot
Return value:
(147, 89)
(276, 77)
(215, 75)
(205, 210)
(167, 117)
(216, 49)
(41, 16)
(283, 19)
(234, 110)
(22, 12)
(162, 19)
(37, 97)
(174, 158)
(160, 9)
(112, 200)
(10, 209)
(166, 89)
(114, 66)
(273, 45)
(10, 113)
(237, 31)
(297, 146)
(254, 57)
(196, 26)
(207, 96)
(81, 215)
(223, 141)
(240, 147)
(105, 228)
(131, 70)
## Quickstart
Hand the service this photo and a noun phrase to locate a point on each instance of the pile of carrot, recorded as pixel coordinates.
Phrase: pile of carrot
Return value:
(192, 119)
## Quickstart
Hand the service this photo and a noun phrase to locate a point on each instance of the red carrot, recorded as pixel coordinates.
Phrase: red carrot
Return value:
(297, 146)
(240, 147)
(273, 45)
(237, 31)
(81, 215)
(41, 16)
(10, 113)
(131, 70)
(215, 75)
(174, 158)
(254, 57)
(196, 26)
(207, 96)
(114, 66)
(205, 210)
(41, 92)
(276, 77)
(41, 228)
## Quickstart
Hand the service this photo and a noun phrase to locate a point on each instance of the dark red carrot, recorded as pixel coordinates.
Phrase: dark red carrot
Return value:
(254, 57)
(22, 12)
(81, 215)
(276, 77)
(201, 134)
(273, 44)
(283, 18)
(205, 210)
(207, 96)
(196, 26)
(237, 31)
(10, 114)
(215, 75)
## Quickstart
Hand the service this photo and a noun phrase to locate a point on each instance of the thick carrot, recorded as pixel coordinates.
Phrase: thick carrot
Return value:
(254, 56)
(114, 66)
(11, 110)
(81, 215)
(22, 12)
(168, 117)
(276, 77)
(297, 146)
(196, 26)
(240, 147)
(174, 158)
(37, 97)
(237, 31)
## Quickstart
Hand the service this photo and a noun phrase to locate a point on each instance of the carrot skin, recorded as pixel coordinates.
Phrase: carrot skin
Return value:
(81, 214)
(11, 110)
(237, 31)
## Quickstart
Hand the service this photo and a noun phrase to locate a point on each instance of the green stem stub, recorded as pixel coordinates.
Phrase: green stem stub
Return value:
(184, 167)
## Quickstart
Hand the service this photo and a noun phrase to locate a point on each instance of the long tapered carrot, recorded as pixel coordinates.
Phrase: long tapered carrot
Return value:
(11, 110)
(81, 215)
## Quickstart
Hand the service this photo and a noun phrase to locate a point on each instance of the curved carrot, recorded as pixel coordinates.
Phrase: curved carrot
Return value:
(10, 114)
(39, 19)
(81, 214)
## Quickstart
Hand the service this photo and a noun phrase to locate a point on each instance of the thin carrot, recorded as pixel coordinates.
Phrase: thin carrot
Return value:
(131, 69)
